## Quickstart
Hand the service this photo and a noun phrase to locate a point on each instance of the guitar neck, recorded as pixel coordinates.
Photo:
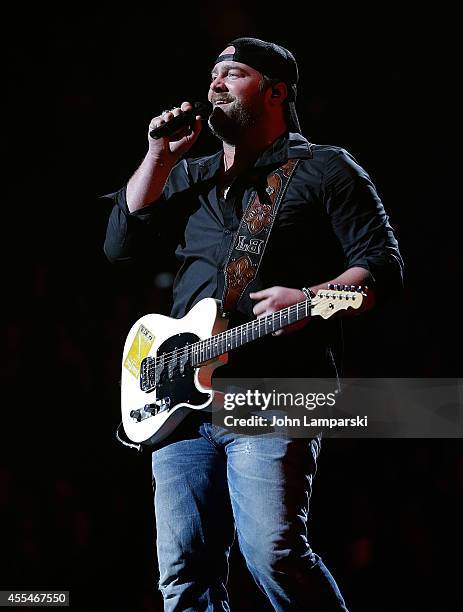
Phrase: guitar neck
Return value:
(325, 304)
(247, 332)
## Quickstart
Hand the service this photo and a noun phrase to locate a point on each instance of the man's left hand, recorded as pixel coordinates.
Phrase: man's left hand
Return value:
(275, 298)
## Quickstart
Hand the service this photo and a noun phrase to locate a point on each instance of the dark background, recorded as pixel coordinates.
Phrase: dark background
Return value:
(81, 87)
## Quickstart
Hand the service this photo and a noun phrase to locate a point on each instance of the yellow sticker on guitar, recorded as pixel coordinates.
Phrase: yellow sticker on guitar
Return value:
(139, 350)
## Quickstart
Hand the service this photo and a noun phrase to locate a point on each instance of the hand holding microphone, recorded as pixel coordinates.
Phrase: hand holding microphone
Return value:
(171, 134)
(176, 130)
(184, 119)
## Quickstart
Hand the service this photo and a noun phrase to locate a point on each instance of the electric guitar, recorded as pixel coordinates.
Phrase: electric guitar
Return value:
(167, 363)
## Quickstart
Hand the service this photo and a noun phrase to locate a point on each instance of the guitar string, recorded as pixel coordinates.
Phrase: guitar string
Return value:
(202, 346)
(233, 334)
(227, 335)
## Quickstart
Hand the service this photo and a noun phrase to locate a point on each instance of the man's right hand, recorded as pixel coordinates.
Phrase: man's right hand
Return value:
(148, 182)
(169, 149)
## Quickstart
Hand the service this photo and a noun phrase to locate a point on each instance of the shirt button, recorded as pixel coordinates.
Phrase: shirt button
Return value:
(226, 232)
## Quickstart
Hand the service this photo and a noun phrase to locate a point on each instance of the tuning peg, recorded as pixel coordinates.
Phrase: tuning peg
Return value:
(330, 286)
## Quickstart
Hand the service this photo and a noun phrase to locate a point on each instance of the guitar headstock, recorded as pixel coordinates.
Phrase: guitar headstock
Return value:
(337, 297)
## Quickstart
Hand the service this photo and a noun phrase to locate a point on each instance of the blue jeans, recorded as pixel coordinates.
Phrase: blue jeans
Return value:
(214, 481)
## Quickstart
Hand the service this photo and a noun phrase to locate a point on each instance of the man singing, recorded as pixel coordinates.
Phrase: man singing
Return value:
(331, 227)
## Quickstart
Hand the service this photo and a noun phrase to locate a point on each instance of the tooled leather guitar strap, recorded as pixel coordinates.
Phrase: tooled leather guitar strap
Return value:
(251, 238)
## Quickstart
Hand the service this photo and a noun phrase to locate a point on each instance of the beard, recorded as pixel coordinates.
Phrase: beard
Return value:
(231, 124)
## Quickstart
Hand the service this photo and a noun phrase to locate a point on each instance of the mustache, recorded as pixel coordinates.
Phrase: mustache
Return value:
(222, 98)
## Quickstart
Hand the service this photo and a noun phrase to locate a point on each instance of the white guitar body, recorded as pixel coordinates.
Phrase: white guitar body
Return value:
(167, 364)
(150, 333)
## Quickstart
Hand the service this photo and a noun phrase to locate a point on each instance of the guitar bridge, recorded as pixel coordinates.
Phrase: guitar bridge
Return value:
(148, 374)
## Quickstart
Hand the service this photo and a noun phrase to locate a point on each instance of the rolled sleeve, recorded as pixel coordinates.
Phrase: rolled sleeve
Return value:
(361, 224)
(129, 234)
(125, 229)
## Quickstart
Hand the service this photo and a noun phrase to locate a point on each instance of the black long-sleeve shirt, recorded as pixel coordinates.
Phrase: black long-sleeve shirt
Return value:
(330, 219)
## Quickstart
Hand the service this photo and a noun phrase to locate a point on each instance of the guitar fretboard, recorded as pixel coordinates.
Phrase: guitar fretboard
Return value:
(214, 346)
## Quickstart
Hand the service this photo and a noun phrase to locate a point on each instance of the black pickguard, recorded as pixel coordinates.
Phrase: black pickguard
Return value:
(179, 385)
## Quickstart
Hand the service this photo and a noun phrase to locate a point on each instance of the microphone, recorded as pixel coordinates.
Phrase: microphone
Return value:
(185, 119)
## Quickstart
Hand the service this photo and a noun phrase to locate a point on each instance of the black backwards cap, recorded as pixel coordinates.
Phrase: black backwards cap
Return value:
(271, 60)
